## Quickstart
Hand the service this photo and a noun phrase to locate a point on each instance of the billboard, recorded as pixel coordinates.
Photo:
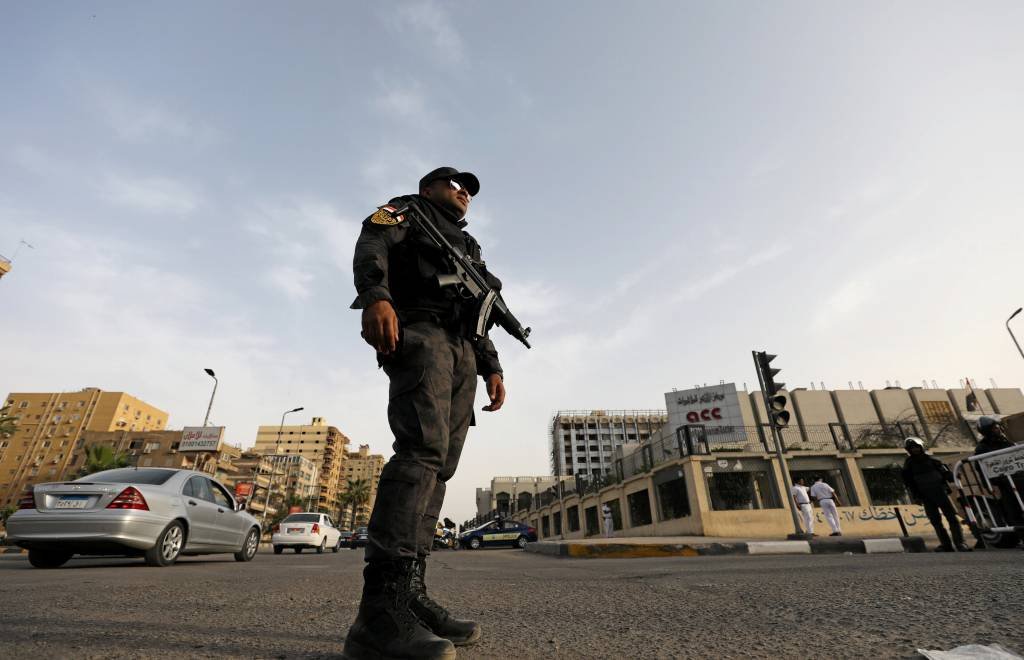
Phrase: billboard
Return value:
(201, 438)
(716, 407)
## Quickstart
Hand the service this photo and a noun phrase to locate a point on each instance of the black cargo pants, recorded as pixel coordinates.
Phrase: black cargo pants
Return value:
(937, 505)
(433, 385)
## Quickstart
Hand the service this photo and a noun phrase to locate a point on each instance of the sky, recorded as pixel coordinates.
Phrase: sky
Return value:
(665, 186)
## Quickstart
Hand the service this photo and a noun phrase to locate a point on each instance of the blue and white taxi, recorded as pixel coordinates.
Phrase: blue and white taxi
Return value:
(498, 533)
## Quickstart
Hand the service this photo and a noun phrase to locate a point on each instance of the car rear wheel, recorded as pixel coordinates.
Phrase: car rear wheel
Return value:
(48, 558)
(168, 546)
(298, 549)
(323, 546)
(337, 546)
(521, 542)
(250, 546)
(1000, 539)
(278, 549)
(474, 543)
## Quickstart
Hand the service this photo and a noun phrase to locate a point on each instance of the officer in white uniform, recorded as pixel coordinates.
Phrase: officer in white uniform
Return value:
(802, 500)
(609, 524)
(826, 497)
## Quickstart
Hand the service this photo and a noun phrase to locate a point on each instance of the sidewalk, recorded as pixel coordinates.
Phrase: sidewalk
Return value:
(704, 546)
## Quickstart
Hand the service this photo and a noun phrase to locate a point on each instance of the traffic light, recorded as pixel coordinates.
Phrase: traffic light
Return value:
(775, 402)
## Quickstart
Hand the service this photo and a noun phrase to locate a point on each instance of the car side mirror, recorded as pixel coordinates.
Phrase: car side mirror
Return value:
(240, 505)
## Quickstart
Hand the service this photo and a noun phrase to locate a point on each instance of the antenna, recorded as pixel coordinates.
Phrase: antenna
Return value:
(17, 249)
(924, 383)
(935, 385)
(888, 384)
(822, 384)
(849, 384)
(961, 383)
(812, 384)
(860, 384)
(993, 381)
(898, 384)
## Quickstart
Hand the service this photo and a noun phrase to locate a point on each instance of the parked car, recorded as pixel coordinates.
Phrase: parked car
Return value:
(498, 533)
(306, 530)
(156, 513)
(346, 536)
(359, 539)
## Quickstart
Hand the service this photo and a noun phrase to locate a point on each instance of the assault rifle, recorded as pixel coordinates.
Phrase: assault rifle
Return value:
(467, 280)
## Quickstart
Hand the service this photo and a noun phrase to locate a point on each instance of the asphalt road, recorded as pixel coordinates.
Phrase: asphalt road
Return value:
(300, 606)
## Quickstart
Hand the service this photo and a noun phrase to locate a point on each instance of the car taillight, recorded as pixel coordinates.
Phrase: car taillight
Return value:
(316, 528)
(531, 530)
(129, 498)
(28, 499)
(276, 529)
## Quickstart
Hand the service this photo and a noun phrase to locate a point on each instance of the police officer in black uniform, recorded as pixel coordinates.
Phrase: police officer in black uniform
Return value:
(926, 477)
(419, 331)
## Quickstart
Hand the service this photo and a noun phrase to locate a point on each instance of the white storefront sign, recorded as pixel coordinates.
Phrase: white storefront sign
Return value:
(201, 438)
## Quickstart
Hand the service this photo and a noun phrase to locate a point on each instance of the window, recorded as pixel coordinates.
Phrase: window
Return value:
(590, 514)
(885, 484)
(670, 488)
(545, 524)
(734, 490)
(219, 496)
(581, 459)
(939, 412)
(639, 508)
(23, 404)
(572, 518)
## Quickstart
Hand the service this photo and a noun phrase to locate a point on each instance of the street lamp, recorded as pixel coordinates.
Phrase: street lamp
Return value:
(1019, 350)
(273, 469)
(209, 372)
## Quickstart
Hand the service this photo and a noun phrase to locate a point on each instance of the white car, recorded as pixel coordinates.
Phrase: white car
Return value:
(306, 530)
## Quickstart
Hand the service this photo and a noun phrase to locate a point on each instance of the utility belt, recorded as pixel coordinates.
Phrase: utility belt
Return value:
(453, 320)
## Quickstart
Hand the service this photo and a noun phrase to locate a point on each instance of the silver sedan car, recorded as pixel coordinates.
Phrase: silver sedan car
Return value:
(156, 513)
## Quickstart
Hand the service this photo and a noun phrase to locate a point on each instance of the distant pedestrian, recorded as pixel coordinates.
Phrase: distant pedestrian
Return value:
(926, 478)
(609, 523)
(802, 501)
(828, 500)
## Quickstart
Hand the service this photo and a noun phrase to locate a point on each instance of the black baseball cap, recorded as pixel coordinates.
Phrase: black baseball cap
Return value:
(467, 179)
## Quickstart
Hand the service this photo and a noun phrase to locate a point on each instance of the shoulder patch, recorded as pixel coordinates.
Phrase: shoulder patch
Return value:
(385, 216)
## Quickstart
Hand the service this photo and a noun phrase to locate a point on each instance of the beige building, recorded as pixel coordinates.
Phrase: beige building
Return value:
(51, 426)
(322, 444)
(716, 473)
(366, 466)
(268, 481)
(5, 265)
(509, 496)
(584, 441)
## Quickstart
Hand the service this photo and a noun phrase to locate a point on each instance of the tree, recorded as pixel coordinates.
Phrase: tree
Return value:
(342, 502)
(102, 457)
(357, 494)
(8, 423)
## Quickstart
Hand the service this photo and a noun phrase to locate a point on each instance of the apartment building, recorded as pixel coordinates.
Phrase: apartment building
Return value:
(52, 425)
(324, 445)
(584, 441)
(363, 465)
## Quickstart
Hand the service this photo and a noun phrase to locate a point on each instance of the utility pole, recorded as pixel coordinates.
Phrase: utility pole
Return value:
(778, 419)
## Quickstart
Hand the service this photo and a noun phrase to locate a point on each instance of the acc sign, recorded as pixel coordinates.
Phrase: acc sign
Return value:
(201, 438)
(706, 415)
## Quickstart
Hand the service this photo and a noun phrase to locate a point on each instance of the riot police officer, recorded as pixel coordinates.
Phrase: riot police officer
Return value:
(420, 333)
(926, 478)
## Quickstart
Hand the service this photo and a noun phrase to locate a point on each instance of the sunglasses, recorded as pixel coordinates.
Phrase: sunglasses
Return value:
(456, 186)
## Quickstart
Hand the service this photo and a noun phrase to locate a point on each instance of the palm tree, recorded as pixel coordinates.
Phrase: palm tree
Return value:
(342, 502)
(8, 424)
(102, 457)
(357, 494)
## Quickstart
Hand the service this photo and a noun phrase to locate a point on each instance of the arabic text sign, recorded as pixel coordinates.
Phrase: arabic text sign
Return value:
(201, 438)
(1010, 462)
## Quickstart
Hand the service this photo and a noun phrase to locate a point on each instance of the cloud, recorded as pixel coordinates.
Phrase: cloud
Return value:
(695, 289)
(150, 194)
(843, 302)
(292, 281)
(433, 22)
(136, 120)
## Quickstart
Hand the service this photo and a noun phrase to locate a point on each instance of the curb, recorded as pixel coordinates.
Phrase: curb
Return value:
(711, 549)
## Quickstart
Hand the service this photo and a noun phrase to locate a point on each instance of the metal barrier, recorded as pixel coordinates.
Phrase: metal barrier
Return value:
(989, 488)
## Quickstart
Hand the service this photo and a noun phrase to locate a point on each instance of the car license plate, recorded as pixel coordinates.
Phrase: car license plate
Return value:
(295, 530)
(72, 502)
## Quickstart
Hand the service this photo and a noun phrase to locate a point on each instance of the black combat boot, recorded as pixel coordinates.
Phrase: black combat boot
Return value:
(435, 617)
(385, 626)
